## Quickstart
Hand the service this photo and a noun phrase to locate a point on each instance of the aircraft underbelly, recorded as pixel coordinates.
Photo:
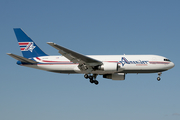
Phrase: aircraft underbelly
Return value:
(55, 68)
(74, 69)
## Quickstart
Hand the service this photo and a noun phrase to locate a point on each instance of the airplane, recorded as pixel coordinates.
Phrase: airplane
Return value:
(113, 67)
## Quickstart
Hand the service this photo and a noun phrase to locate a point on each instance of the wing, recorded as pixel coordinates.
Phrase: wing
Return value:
(22, 59)
(85, 63)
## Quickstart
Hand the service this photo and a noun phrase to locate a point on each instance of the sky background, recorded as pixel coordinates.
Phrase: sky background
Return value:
(94, 27)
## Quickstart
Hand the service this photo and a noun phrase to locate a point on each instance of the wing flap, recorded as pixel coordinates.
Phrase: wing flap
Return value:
(22, 59)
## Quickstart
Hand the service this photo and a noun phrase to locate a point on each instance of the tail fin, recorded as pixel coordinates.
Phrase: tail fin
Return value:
(28, 47)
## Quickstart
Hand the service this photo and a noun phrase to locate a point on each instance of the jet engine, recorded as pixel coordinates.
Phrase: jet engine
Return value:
(109, 67)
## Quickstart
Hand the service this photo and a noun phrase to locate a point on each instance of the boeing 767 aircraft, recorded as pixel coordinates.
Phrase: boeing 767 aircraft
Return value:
(109, 66)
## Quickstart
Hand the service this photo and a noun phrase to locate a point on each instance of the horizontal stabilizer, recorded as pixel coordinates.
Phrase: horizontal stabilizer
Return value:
(22, 59)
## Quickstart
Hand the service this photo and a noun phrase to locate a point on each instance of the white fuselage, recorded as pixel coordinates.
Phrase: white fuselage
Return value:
(126, 64)
(109, 66)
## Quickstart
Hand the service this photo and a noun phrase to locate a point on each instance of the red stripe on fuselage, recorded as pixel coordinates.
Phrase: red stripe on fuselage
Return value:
(38, 58)
(158, 62)
(65, 61)
(53, 61)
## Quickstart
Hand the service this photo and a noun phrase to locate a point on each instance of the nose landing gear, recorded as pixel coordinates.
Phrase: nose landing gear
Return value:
(159, 74)
(91, 78)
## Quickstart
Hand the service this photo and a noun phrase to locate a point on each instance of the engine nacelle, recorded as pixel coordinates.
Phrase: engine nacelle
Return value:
(109, 67)
(115, 76)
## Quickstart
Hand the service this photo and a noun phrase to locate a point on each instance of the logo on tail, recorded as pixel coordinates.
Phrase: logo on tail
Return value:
(26, 46)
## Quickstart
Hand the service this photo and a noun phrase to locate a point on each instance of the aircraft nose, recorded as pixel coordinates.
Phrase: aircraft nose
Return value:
(172, 65)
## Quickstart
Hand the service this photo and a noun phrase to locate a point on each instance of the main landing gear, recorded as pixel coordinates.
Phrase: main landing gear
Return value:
(159, 74)
(91, 77)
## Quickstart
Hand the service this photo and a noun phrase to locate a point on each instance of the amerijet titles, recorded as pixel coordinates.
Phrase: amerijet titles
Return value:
(125, 61)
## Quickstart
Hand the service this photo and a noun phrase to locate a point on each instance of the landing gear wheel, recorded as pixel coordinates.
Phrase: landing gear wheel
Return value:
(91, 81)
(91, 77)
(86, 76)
(96, 82)
(158, 78)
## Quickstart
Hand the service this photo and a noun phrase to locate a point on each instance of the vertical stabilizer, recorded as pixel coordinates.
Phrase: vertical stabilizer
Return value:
(27, 46)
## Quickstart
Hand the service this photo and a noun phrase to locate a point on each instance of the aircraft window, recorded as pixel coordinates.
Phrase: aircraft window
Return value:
(167, 60)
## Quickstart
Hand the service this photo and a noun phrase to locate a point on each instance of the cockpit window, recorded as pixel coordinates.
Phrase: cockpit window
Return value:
(167, 60)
